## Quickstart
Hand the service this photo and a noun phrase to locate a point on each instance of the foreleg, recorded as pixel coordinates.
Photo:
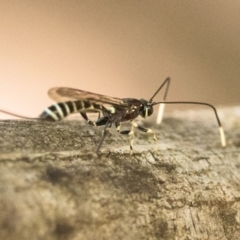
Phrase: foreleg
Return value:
(127, 132)
(131, 132)
(147, 130)
(118, 126)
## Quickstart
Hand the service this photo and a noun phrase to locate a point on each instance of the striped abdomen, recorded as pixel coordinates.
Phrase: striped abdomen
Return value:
(58, 111)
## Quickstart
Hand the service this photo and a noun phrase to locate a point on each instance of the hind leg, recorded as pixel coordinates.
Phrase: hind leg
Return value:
(105, 131)
(84, 115)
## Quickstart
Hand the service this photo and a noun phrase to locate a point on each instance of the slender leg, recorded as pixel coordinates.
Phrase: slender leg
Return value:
(147, 130)
(131, 132)
(143, 129)
(108, 125)
(99, 122)
(128, 132)
(102, 121)
(118, 126)
(84, 115)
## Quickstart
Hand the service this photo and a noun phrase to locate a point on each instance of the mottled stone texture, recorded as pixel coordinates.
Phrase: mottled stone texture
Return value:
(184, 186)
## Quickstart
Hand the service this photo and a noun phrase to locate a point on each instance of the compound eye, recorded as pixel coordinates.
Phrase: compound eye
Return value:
(150, 110)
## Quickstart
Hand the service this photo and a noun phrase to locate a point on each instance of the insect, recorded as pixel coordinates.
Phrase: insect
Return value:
(70, 100)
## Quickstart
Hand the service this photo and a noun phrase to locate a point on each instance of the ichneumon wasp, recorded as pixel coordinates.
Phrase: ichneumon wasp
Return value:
(70, 100)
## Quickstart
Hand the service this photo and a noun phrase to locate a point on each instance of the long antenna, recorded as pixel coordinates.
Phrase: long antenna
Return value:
(165, 95)
(222, 135)
(161, 105)
(16, 115)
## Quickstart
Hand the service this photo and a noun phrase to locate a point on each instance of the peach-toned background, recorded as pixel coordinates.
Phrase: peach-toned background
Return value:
(121, 48)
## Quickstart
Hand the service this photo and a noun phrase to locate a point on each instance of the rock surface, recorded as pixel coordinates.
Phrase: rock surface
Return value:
(183, 186)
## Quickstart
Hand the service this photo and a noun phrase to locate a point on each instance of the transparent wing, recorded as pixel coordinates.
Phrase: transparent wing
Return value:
(62, 94)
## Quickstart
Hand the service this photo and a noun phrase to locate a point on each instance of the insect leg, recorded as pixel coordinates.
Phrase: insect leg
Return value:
(99, 122)
(147, 130)
(143, 129)
(102, 121)
(108, 125)
(131, 133)
(84, 115)
(118, 126)
(128, 132)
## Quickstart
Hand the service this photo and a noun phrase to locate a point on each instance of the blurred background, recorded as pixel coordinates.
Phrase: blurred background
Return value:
(118, 48)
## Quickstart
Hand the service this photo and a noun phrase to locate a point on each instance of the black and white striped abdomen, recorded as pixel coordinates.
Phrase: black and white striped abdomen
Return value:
(58, 111)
